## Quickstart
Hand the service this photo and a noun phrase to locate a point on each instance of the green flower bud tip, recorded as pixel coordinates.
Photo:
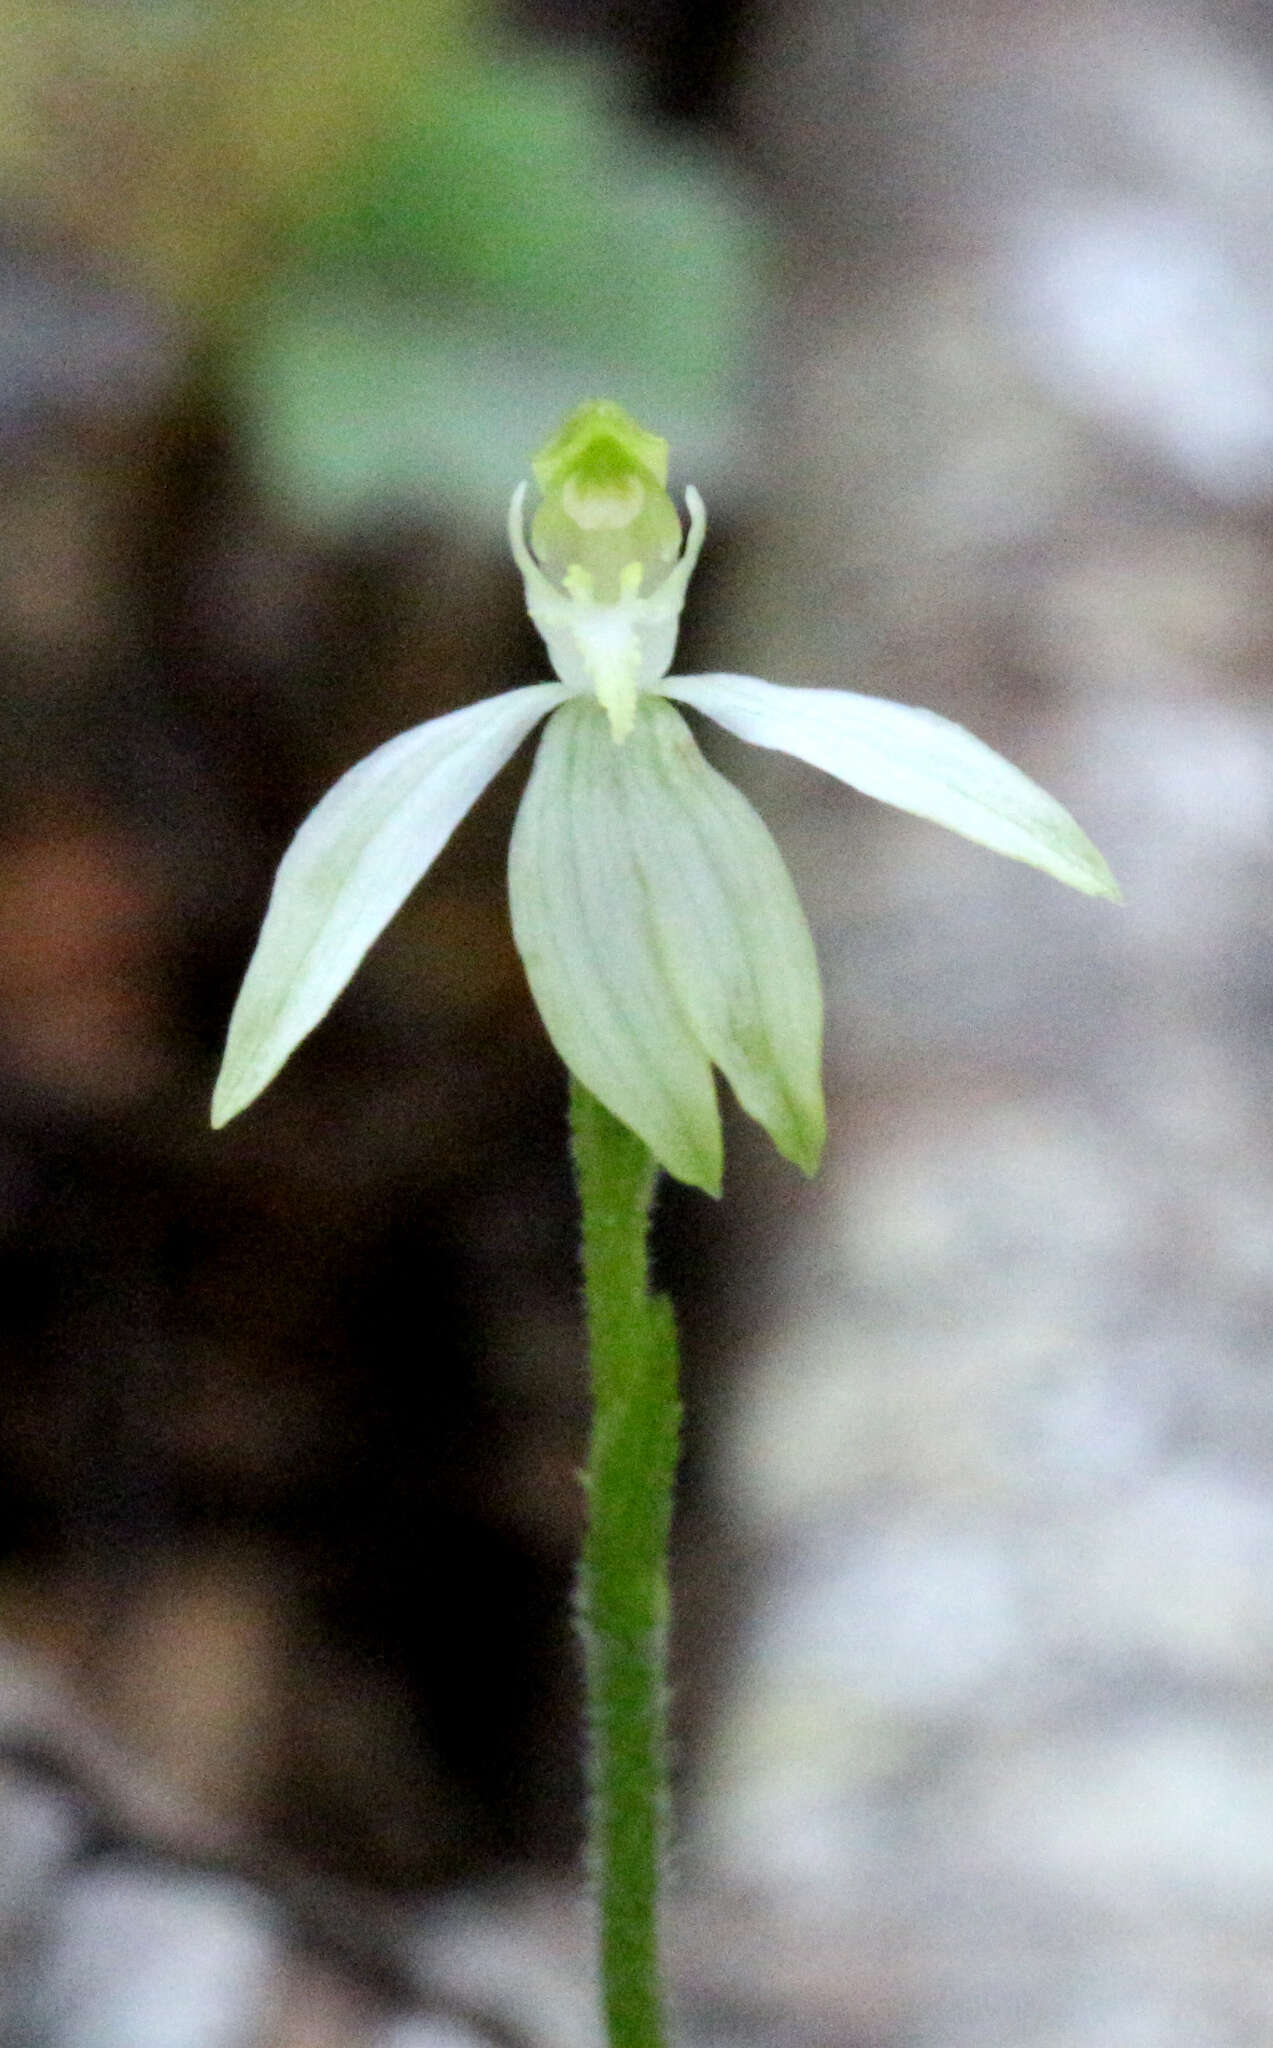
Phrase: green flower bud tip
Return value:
(606, 529)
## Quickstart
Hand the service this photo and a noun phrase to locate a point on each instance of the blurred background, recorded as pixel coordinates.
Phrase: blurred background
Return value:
(961, 316)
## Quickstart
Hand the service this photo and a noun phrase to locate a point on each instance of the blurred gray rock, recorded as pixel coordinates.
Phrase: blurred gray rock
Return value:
(427, 2033)
(142, 1958)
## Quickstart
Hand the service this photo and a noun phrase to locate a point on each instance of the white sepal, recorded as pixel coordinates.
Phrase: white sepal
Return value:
(915, 759)
(660, 932)
(349, 868)
(589, 942)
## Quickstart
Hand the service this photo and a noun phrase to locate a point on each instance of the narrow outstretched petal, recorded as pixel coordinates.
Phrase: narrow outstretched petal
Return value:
(349, 868)
(588, 935)
(915, 759)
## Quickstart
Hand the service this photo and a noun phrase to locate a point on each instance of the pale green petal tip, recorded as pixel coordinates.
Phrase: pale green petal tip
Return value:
(803, 1139)
(235, 1091)
(1064, 851)
(224, 1105)
(699, 1165)
(1096, 877)
(244, 1074)
(692, 1154)
(793, 1116)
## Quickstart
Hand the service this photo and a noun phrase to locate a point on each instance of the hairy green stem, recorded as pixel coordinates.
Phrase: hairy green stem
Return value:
(623, 1574)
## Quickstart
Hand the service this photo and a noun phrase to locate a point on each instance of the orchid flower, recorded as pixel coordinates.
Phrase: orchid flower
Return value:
(660, 931)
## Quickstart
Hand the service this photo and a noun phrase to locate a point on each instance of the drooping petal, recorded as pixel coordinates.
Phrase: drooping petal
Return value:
(349, 868)
(589, 943)
(734, 937)
(915, 759)
(663, 923)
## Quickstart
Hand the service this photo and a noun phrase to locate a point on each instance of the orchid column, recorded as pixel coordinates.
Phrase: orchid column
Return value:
(662, 939)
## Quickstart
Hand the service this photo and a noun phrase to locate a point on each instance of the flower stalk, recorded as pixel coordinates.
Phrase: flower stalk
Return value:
(622, 1601)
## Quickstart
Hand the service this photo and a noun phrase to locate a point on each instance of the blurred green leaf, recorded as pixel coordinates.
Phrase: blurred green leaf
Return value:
(513, 246)
(176, 138)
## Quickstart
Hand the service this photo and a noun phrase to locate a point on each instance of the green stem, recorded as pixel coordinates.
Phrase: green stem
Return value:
(623, 1575)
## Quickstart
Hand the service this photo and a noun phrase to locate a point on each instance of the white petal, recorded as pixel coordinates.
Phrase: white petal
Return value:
(908, 757)
(661, 931)
(585, 930)
(349, 868)
(733, 935)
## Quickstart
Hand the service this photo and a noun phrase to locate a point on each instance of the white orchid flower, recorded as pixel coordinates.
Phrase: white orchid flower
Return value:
(658, 925)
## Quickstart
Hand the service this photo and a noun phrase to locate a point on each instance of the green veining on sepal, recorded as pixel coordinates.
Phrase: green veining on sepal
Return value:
(588, 937)
(662, 935)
